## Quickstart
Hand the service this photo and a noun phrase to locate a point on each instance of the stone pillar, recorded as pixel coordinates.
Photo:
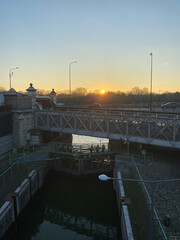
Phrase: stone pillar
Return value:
(32, 93)
(115, 145)
(53, 96)
(23, 122)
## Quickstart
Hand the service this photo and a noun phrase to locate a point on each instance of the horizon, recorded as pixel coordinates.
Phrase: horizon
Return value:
(110, 40)
(135, 91)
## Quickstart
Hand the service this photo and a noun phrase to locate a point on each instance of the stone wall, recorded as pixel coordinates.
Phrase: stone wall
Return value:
(23, 122)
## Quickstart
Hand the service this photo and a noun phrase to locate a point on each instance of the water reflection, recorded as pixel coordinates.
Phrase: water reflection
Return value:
(69, 208)
(80, 225)
(89, 140)
(56, 230)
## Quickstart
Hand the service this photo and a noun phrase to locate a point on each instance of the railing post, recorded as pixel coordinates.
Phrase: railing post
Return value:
(127, 128)
(75, 122)
(90, 123)
(151, 233)
(149, 129)
(48, 120)
(107, 126)
(174, 132)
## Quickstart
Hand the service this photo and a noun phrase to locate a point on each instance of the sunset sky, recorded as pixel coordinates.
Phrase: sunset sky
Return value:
(111, 40)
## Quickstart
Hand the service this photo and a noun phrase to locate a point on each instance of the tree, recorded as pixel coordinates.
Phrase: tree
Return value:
(2, 89)
(80, 91)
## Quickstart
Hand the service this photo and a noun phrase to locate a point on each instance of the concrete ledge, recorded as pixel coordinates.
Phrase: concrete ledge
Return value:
(41, 175)
(15, 202)
(33, 179)
(6, 217)
(22, 195)
(126, 228)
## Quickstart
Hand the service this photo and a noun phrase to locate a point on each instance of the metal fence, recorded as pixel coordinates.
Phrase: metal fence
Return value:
(131, 162)
(16, 173)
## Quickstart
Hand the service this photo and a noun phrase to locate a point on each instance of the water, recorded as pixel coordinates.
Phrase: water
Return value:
(69, 207)
(89, 140)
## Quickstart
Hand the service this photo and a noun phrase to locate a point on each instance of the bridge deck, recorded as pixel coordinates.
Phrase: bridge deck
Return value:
(143, 127)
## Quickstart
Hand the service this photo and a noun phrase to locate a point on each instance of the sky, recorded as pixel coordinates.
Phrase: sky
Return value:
(111, 40)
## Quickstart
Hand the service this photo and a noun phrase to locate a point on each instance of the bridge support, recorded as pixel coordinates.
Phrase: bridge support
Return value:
(48, 136)
(23, 122)
(115, 145)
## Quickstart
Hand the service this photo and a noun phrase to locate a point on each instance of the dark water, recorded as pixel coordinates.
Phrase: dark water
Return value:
(67, 208)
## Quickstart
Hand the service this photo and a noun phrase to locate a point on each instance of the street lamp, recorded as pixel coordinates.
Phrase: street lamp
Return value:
(104, 177)
(150, 103)
(70, 76)
(10, 74)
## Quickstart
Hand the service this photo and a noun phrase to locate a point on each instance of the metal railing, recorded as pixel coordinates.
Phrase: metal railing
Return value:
(14, 175)
(79, 148)
(161, 229)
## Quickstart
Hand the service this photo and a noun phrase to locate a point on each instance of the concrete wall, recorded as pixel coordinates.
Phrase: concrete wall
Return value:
(23, 122)
(20, 198)
(34, 183)
(22, 195)
(6, 217)
(6, 144)
(126, 229)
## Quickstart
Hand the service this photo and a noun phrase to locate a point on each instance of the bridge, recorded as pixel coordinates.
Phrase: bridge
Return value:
(160, 129)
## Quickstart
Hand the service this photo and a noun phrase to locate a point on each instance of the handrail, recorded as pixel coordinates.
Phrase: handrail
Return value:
(122, 113)
(8, 168)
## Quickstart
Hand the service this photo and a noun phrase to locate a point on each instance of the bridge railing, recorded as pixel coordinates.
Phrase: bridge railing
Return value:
(79, 148)
(148, 128)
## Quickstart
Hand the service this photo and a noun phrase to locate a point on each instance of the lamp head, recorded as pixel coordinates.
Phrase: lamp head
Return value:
(103, 177)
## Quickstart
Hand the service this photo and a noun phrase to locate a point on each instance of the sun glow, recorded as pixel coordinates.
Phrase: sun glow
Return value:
(102, 91)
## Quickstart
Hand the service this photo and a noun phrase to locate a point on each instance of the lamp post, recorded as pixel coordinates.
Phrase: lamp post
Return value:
(10, 74)
(150, 101)
(104, 177)
(70, 76)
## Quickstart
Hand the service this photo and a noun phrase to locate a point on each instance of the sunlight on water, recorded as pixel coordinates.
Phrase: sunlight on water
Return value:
(89, 140)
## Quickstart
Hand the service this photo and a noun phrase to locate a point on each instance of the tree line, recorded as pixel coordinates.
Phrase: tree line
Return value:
(136, 96)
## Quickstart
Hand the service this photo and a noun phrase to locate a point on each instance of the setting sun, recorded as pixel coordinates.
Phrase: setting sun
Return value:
(102, 91)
